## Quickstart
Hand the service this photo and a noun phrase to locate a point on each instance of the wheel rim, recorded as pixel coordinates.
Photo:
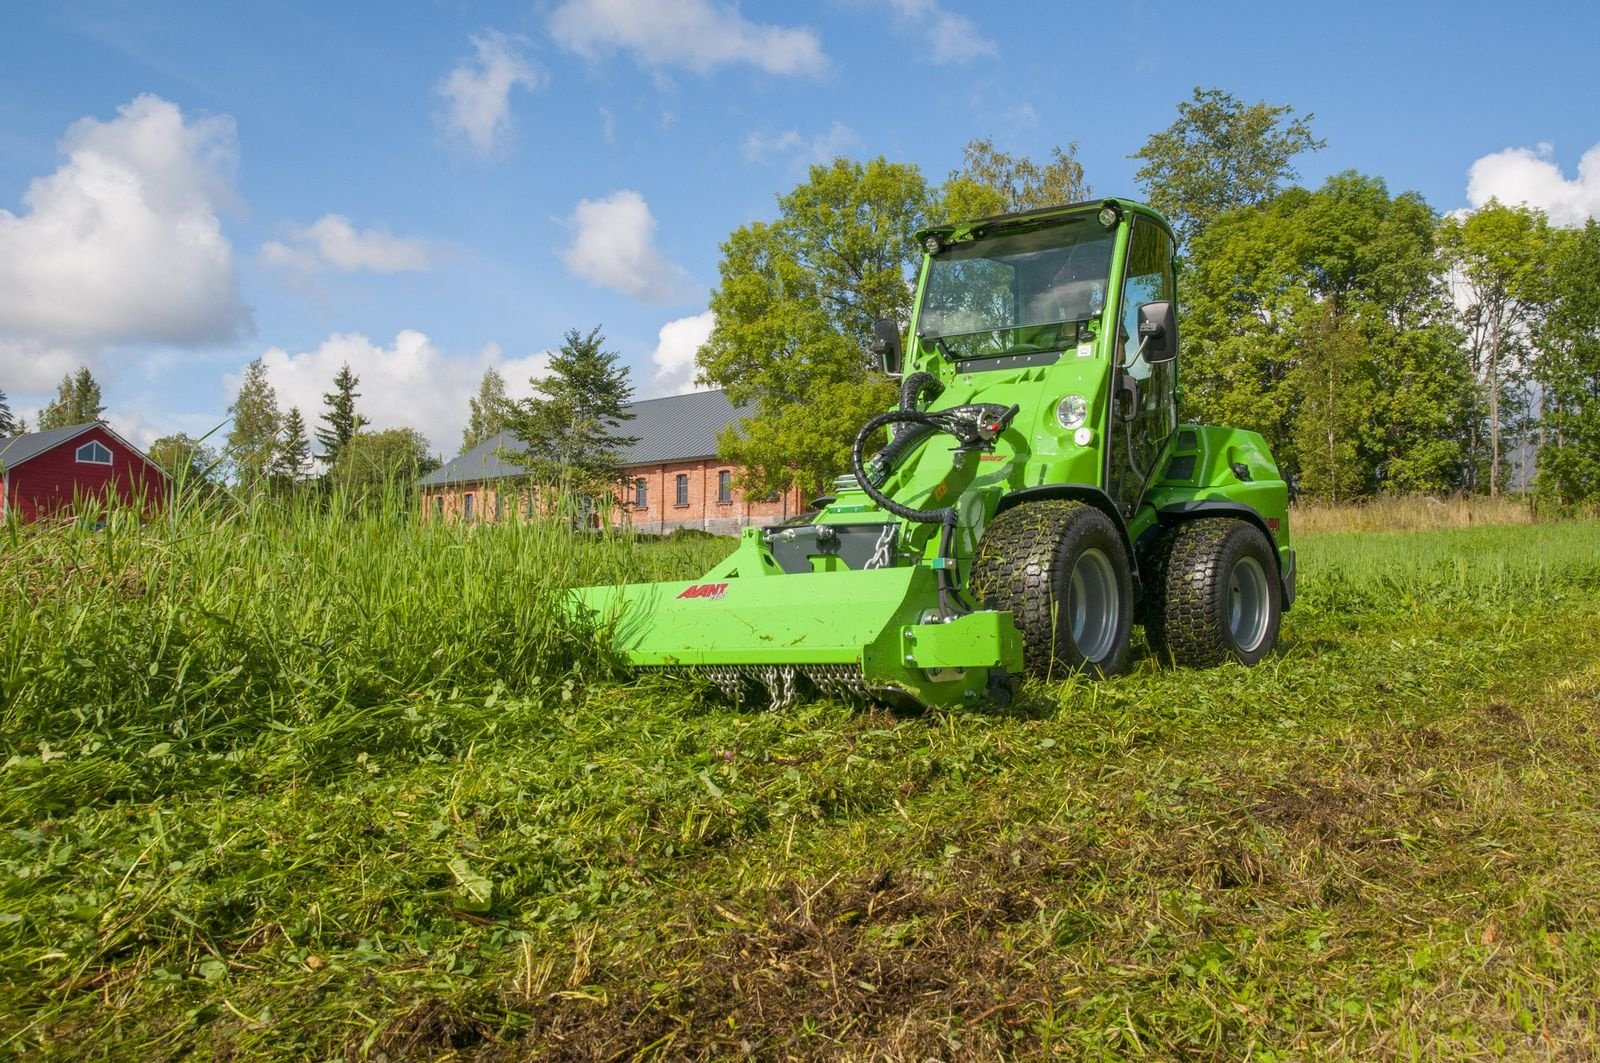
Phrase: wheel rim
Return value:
(1249, 608)
(1094, 606)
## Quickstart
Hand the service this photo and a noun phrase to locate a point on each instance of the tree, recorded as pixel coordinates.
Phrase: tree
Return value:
(993, 182)
(393, 459)
(8, 423)
(1320, 319)
(1219, 155)
(341, 418)
(1498, 254)
(253, 439)
(292, 461)
(568, 428)
(1568, 340)
(77, 402)
(489, 410)
(188, 461)
(796, 302)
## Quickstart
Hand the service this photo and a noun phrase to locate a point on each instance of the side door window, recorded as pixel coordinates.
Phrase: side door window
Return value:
(1146, 394)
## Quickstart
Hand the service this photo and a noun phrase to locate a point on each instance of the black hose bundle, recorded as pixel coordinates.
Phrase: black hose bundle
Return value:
(974, 426)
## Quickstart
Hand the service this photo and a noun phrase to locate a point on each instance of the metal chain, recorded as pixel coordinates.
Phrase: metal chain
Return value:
(783, 683)
(883, 552)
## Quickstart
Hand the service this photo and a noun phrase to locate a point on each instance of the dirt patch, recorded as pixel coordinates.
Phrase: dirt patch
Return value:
(432, 1028)
(877, 968)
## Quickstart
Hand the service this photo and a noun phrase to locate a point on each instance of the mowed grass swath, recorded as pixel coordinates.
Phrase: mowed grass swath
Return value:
(290, 781)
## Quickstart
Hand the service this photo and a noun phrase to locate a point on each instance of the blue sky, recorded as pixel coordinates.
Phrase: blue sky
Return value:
(428, 189)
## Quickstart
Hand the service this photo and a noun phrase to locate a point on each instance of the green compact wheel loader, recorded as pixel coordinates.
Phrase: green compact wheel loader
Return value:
(1038, 495)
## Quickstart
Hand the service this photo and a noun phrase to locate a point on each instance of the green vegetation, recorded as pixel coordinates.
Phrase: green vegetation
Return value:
(287, 784)
(77, 402)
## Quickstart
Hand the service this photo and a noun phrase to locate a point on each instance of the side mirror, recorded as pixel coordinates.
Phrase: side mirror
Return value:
(886, 345)
(1158, 332)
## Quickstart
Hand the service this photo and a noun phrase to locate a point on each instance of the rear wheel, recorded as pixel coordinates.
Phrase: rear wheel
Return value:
(1061, 569)
(1213, 594)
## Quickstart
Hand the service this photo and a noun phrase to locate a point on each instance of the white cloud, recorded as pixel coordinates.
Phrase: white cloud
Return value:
(479, 90)
(410, 383)
(823, 147)
(332, 241)
(122, 243)
(614, 246)
(692, 34)
(1521, 175)
(29, 366)
(676, 345)
(950, 38)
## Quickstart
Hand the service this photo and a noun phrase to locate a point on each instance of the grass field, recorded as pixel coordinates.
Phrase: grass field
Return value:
(297, 786)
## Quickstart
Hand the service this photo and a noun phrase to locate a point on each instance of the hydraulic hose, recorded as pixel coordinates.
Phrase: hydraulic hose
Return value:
(912, 387)
(971, 431)
(929, 423)
(950, 604)
(901, 442)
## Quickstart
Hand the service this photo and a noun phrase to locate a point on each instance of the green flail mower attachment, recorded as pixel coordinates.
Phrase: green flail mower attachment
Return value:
(858, 635)
(1036, 489)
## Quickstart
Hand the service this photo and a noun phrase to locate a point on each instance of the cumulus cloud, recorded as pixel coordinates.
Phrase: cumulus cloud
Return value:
(122, 242)
(692, 34)
(409, 383)
(478, 91)
(676, 345)
(613, 245)
(1521, 175)
(823, 147)
(28, 366)
(332, 242)
(949, 38)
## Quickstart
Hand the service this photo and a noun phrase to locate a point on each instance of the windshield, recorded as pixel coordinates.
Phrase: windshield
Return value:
(995, 296)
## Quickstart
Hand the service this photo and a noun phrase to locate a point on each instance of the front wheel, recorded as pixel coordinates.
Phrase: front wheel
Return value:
(1061, 569)
(1213, 594)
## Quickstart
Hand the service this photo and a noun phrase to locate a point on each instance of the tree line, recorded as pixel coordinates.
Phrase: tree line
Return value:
(1378, 345)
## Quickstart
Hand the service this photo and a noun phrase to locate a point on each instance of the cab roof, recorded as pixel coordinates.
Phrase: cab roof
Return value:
(1038, 218)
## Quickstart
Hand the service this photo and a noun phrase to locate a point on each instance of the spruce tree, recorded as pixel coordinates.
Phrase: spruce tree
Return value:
(341, 418)
(8, 424)
(569, 427)
(77, 402)
(293, 459)
(253, 440)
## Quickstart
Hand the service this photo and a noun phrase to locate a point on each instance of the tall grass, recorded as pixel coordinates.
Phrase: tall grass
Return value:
(1413, 513)
(290, 630)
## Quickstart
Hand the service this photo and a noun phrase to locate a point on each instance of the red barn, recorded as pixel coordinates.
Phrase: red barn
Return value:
(44, 473)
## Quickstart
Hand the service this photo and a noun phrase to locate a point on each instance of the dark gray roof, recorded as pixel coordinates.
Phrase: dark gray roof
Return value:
(14, 450)
(674, 428)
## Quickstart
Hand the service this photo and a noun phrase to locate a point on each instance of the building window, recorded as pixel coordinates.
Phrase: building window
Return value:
(466, 506)
(683, 489)
(725, 486)
(641, 494)
(93, 453)
(438, 506)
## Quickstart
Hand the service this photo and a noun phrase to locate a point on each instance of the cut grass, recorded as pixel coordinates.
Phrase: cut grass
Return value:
(1378, 843)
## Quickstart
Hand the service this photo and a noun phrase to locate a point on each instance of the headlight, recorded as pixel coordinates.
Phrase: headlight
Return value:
(1072, 411)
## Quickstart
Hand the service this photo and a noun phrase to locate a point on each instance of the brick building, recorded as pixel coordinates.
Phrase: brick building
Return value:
(46, 475)
(672, 475)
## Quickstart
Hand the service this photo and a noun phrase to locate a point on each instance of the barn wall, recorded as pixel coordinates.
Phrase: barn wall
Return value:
(46, 485)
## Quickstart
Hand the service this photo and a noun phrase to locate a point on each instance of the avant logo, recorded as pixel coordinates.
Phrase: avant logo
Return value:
(705, 590)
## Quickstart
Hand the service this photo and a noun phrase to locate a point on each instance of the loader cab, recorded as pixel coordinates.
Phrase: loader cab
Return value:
(1054, 298)
(1144, 407)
